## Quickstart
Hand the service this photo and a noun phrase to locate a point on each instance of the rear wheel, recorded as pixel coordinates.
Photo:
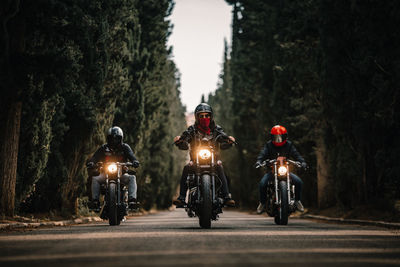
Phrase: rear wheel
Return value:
(282, 214)
(113, 217)
(206, 203)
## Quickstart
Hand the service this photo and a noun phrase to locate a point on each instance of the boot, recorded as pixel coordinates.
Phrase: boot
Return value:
(299, 206)
(260, 208)
(133, 203)
(229, 202)
(179, 202)
(94, 205)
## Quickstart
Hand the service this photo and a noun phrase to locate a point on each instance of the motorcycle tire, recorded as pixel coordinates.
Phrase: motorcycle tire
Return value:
(205, 214)
(113, 217)
(282, 214)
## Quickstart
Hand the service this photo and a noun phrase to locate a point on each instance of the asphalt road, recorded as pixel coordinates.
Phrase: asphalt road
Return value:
(171, 238)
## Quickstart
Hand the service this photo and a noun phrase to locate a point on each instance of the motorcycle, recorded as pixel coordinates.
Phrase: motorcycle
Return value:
(205, 198)
(280, 191)
(115, 205)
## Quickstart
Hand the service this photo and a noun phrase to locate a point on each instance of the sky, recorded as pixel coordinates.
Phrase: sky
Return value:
(197, 38)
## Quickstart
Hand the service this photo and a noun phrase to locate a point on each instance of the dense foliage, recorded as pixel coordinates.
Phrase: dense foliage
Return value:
(325, 69)
(79, 67)
(328, 71)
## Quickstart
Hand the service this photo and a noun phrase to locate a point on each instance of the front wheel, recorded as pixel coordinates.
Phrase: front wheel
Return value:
(113, 217)
(205, 213)
(282, 214)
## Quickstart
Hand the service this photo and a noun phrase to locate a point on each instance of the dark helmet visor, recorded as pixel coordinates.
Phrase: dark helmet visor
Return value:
(278, 138)
(114, 140)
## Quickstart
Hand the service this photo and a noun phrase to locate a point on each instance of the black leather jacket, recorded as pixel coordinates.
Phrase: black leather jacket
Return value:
(270, 151)
(192, 135)
(105, 153)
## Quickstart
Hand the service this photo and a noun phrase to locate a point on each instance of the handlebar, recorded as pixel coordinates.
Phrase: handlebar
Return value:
(225, 138)
(297, 163)
(216, 139)
(272, 161)
(100, 164)
(182, 139)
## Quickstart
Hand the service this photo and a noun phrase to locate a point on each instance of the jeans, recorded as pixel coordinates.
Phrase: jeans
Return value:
(125, 179)
(189, 169)
(298, 183)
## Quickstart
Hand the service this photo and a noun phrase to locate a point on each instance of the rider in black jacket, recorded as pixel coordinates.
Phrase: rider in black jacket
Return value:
(204, 126)
(279, 146)
(113, 151)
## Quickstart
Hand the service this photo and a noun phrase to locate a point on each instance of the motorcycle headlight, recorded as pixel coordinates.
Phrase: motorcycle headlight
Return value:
(282, 170)
(112, 168)
(204, 153)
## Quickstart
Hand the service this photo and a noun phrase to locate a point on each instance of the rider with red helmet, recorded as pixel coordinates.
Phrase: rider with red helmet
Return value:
(279, 145)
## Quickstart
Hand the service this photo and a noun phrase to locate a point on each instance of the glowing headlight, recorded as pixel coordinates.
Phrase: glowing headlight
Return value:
(112, 168)
(204, 153)
(282, 170)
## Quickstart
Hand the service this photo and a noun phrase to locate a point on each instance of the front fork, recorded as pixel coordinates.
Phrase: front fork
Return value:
(288, 183)
(212, 174)
(198, 175)
(277, 200)
(118, 190)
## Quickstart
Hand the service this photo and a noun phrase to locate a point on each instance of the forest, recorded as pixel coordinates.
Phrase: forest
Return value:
(69, 71)
(328, 70)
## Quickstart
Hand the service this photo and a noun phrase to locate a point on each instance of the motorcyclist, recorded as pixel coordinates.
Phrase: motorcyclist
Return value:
(113, 151)
(279, 146)
(204, 126)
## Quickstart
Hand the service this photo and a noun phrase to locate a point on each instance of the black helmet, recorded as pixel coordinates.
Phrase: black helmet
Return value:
(114, 136)
(203, 107)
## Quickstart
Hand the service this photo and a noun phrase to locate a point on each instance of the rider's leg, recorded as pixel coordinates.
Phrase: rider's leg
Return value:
(263, 187)
(96, 182)
(183, 185)
(225, 189)
(130, 180)
(298, 183)
(221, 175)
(263, 191)
(180, 201)
(89, 186)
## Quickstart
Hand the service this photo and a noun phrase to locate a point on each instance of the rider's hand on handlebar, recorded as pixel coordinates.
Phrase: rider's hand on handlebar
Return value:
(257, 165)
(90, 165)
(176, 138)
(136, 164)
(231, 139)
(304, 165)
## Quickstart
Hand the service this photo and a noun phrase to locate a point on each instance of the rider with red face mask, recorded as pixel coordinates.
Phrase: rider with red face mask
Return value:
(279, 146)
(204, 126)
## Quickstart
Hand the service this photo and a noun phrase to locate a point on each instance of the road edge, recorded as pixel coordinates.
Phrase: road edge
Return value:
(352, 221)
(21, 225)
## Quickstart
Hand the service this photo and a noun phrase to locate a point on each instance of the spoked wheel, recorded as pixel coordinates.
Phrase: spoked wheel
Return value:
(206, 204)
(282, 214)
(113, 217)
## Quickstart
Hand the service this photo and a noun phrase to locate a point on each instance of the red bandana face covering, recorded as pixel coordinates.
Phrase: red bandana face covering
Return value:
(204, 125)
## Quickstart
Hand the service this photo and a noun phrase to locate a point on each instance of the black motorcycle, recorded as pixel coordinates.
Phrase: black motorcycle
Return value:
(280, 191)
(205, 198)
(115, 206)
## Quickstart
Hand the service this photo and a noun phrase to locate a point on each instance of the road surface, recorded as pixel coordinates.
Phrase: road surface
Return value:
(171, 238)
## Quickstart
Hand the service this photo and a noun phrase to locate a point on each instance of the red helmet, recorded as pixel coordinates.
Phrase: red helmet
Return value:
(278, 135)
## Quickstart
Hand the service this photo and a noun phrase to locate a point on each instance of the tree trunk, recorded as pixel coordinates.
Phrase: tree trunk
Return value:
(9, 157)
(71, 188)
(325, 187)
